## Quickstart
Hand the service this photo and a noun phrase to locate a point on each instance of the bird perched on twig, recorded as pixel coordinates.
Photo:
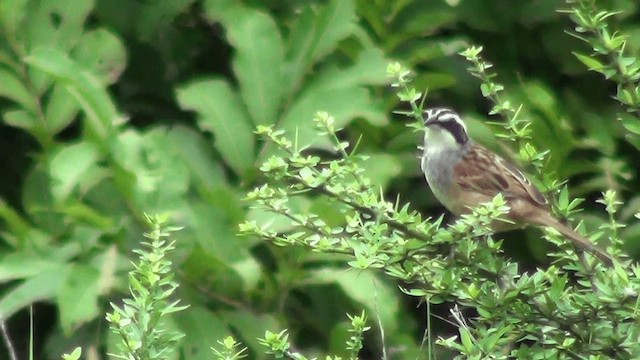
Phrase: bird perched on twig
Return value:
(463, 174)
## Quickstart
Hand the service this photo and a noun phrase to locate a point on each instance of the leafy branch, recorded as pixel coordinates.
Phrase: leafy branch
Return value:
(459, 264)
(609, 57)
(138, 323)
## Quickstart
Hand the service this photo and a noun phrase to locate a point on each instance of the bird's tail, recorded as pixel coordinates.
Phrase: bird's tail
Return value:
(584, 244)
(581, 242)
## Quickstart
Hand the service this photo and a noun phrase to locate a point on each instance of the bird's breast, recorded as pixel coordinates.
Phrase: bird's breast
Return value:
(437, 167)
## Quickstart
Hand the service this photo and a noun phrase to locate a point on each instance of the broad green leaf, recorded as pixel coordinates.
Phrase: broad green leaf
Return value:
(12, 13)
(55, 24)
(340, 92)
(38, 201)
(202, 328)
(23, 119)
(418, 19)
(107, 262)
(379, 297)
(83, 214)
(14, 223)
(630, 122)
(13, 88)
(249, 270)
(21, 265)
(221, 112)
(43, 286)
(68, 167)
(156, 15)
(258, 59)
(315, 33)
(367, 69)
(161, 180)
(434, 81)
(102, 52)
(60, 109)
(99, 109)
(251, 326)
(215, 235)
(167, 176)
(119, 15)
(192, 148)
(78, 297)
(381, 168)
(343, 103)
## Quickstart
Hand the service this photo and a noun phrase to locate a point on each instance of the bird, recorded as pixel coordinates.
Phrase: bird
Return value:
(462, 174)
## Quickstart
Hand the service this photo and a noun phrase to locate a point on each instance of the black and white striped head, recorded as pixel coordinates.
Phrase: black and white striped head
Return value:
(444, 128)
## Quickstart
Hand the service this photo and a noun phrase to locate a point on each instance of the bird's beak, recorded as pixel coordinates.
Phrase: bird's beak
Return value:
(428, 118)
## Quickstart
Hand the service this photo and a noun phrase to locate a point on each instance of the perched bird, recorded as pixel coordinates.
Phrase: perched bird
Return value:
(462, 174)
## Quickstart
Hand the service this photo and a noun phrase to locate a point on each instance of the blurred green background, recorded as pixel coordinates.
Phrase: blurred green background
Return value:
(112, 108)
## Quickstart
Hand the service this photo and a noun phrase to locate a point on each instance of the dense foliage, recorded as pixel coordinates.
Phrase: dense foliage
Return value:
(116, 108)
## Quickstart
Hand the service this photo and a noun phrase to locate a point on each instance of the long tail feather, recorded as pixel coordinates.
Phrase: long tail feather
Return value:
(583, 243)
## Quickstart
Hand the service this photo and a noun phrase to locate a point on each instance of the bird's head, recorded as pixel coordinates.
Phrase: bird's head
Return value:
(444, 129)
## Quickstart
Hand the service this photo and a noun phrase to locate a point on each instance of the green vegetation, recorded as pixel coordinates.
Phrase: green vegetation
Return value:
(268, 132)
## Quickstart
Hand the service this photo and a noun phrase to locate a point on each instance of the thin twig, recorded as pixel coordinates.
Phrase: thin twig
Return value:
(7, 340)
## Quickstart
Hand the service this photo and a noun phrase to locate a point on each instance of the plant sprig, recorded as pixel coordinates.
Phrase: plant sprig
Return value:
(139, 322)
(518, 128)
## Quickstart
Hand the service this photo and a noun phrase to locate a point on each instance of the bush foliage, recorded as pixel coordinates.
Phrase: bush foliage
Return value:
(112, 109)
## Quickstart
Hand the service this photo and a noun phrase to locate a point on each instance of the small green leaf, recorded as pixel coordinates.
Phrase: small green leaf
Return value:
(590, 62)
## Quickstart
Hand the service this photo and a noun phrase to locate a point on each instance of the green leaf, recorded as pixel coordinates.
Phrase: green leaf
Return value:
(39, 201)
(220, 111)
(95, 101)
(103, 53)
(316, 33)
(21, 265)
(278, 222)
(630, 122)
(341, 92)
(153, 16)
(381, 168)
(60, 109)
(167, 179)
(13, 88)
(54, 24)
(215, 234)
(12, 14)
(379, 297)
(75, 355)
(78, 297)
(344, 103)
(590, 62)
(193, 150)
(202, 328)
(466, 340)
(258, 59)
(69, 166)
(250, 326)
(23, 119)
(367, 69)
(43, 286)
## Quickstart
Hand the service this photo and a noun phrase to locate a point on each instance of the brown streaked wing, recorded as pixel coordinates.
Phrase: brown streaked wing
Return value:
(483, 171)
(533, 192)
